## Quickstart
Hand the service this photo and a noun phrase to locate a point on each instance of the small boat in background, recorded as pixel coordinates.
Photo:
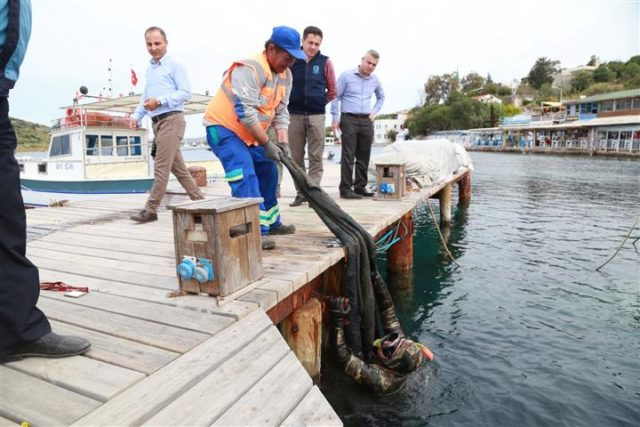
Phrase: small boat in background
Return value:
(94, 153)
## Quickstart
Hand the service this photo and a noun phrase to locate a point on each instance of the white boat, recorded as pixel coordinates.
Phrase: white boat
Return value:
(93, 153)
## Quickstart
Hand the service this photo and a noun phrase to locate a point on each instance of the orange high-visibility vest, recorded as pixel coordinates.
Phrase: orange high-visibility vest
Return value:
(221, 111)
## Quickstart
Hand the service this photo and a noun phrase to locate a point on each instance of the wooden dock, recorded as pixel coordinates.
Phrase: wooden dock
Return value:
(185, 360)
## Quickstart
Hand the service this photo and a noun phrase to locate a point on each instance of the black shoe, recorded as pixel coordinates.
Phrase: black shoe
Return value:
(145, 216)
(283, 229)
(297, 201)
(363, 192)
(349, 194)
(50, 345)
(267, 243)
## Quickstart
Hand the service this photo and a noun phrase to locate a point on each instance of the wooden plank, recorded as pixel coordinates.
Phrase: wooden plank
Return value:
(7, 423)
(140, 402)
(206, 401)
(116, 244)
(265, 299)
(92, 378)
(260, 406)
(205, 304)
(163, 282)
(314, 410)
(161, 268)
(55, 405)
(162, 314)
(142, 331)
(142, 259)
(117, 351)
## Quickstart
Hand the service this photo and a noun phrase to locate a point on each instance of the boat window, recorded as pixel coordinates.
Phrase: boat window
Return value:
(106, 145)
(92, 145)
(60, 146)
(135, 145)
(42, 167)
(635, 103)
(122, 145)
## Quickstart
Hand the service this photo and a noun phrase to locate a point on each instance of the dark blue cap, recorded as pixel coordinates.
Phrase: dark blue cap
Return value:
(288, 39)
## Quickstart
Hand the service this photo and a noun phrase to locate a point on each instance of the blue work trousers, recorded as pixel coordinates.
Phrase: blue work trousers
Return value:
(248, 171)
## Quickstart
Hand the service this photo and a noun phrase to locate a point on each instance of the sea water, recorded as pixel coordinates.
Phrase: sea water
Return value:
(525, 331)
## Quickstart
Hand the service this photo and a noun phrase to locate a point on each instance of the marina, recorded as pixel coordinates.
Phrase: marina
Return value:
(164, 358)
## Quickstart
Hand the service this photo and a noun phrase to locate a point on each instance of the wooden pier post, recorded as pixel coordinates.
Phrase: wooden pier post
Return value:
(400, 255)
(302, 330)
(464, 189)
(445, 204)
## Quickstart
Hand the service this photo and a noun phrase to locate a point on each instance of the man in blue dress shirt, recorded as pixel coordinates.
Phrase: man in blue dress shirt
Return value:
(352, 112)
(166, 90)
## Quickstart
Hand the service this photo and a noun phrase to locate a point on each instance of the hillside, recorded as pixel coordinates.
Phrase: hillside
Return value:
(31, 136)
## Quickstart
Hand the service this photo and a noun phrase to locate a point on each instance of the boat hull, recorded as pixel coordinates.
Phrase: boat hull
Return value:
(120, 186)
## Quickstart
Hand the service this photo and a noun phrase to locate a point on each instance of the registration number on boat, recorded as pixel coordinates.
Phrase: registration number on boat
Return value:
(64, 166)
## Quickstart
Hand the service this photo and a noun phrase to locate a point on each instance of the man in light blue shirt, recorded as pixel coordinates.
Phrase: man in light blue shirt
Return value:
(352, 112)
(166, 90)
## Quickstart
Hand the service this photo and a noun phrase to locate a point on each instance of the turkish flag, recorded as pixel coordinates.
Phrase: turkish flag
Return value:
(134, 78)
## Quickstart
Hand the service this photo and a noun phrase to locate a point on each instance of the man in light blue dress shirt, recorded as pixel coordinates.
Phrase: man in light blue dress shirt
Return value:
(166, 90)
(352, 112)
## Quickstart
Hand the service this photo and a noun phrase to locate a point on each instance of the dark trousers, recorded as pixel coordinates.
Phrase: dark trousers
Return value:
(20, 320)
(357, 137)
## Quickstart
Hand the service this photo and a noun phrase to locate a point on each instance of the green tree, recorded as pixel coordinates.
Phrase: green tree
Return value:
(542, 72)
(593, 60)
(630, 71)
(634, 59)
(465, 113)
(472, 82)
(581, 81)
(604, 74)
(616, 67)
(391, 135)
(546, 93)
(510, 110)
(438, 88)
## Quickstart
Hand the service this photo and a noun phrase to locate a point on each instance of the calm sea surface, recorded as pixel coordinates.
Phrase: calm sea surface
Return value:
(525, 331)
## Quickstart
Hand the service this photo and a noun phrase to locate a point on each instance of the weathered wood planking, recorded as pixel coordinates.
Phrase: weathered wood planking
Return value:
(98, 380)
(233, 309)
(313, 411)
(143, 331)
(39, 402)
(272, 399)
(7, 423)
(143, 400)
(210, 398)
(187, 320)
(118, 351)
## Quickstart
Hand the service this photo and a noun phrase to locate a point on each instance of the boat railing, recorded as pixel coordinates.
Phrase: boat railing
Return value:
(79, 117)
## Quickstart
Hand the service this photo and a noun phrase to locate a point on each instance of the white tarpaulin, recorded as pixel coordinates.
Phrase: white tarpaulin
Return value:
(427, 161)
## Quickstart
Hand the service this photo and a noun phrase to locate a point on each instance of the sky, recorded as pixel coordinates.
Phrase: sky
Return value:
(72, 41)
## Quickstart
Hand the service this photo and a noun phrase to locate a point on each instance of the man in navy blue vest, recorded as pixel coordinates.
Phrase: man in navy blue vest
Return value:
(24, 329)
(314, 86)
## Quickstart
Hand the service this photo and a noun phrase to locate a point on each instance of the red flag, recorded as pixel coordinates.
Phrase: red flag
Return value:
(134, 78)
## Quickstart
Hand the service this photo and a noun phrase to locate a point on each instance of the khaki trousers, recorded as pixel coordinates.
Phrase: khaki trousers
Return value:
(308, 130)
(168, 135)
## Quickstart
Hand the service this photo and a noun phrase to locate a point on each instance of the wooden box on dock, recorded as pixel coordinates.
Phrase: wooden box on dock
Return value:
(390, 181)
(217, 241)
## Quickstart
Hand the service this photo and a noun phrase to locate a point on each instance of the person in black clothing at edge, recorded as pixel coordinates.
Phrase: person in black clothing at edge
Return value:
(24, 329)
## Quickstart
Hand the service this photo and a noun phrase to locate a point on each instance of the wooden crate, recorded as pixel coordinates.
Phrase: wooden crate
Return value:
(225, 231)
(390, 181)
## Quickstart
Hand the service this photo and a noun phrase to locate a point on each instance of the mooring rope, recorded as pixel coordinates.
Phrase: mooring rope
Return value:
(435, 222)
